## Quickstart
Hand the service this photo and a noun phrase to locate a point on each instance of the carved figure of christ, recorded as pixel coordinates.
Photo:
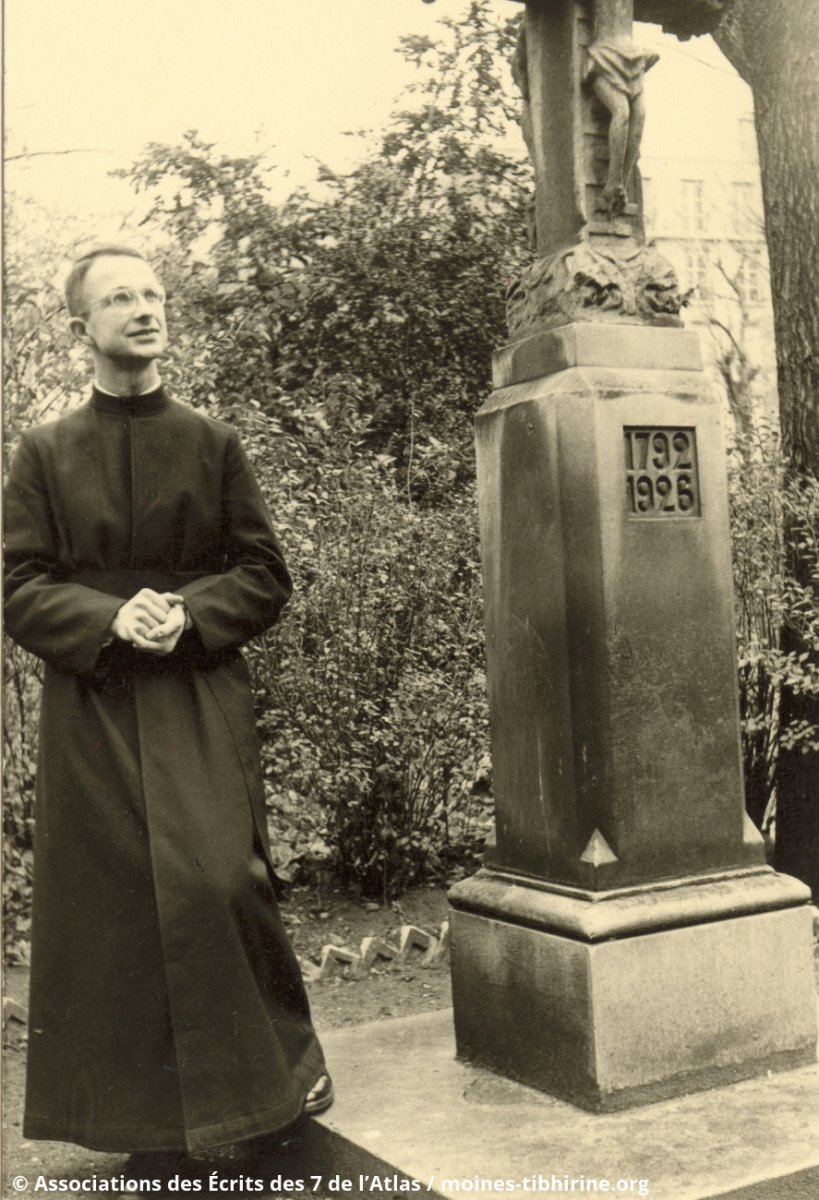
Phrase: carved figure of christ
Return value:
(615, 72)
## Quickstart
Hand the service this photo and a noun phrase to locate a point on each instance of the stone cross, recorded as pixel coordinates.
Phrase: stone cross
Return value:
(615, 947)
(586, 56)
(580, 74)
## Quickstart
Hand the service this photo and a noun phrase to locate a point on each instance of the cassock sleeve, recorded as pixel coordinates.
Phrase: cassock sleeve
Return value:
(246, 599)
(64, 623)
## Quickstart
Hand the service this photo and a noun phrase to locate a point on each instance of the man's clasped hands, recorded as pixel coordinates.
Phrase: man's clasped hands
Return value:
(152, 621)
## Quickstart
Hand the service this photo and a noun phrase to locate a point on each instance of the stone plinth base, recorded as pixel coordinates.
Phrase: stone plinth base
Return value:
(632, 997)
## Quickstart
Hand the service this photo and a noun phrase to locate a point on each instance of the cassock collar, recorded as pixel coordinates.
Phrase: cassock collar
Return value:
(134, 406)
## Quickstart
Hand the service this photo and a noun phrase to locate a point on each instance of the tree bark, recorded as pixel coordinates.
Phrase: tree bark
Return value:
(773, 44)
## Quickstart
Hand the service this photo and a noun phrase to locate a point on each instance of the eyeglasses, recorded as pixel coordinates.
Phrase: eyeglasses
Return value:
(125, 299)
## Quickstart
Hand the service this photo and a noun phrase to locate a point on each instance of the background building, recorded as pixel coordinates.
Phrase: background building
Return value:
(703, 206)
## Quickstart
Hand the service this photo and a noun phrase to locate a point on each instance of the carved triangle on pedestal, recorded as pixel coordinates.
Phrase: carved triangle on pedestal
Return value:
(598, 852)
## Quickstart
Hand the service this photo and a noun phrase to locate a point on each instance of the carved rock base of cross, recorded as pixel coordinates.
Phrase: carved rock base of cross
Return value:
(621, 284)
(625, 940)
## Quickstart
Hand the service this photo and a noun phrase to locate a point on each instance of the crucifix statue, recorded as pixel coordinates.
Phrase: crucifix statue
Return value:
(615, 71)
(580, 74)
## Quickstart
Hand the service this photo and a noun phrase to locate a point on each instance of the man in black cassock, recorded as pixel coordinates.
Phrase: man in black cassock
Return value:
(167, 1011)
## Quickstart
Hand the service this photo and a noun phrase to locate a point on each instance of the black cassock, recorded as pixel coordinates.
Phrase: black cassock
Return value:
(167, 1010)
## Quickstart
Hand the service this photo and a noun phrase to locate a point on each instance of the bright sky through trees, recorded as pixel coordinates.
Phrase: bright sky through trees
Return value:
(288, 76)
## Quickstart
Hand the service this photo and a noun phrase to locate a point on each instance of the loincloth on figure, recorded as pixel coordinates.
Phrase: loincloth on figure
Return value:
(621, 63)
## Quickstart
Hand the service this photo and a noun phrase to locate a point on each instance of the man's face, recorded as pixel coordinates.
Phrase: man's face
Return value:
(126, 334)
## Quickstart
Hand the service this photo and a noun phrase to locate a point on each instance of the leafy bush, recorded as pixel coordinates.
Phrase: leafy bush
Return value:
(774, 520)
(348, 337)
(20, 719)
(371, 693)
(394, 278)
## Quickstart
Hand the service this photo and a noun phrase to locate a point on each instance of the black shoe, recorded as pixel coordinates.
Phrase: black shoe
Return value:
(320, 1096)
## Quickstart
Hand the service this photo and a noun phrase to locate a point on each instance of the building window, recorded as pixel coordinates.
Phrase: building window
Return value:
(745, 216)
(750, 282)
(693, 205)
(747, 138)
(696, 272)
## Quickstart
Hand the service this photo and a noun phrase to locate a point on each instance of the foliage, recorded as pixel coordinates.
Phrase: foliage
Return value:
(41, 369)
(393, 279)
(22, 678)
(348, 336)
(41, 378)
(773, 514)
(734, 334)
(372, 697)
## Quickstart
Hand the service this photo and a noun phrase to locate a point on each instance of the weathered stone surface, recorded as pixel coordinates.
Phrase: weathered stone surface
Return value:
(592, 916)
(14, 1011)
(685, 18)
(635, 285)
(417, 943)
(440, 952)
(616, 947)
(427, 949)
(375, 949)
(586, 345)
(337, 960)
(637, 1019)
(610, 645)
(458, 1122)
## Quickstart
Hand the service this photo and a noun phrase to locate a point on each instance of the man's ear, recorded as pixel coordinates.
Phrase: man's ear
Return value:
(77, 327)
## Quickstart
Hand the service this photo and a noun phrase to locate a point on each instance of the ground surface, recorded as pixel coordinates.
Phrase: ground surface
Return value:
(315, 917)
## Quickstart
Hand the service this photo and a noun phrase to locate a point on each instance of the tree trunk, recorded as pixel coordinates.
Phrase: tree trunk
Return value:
(773, 44)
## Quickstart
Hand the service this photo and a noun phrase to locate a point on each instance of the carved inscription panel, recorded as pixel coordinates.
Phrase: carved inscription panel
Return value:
(661, 472)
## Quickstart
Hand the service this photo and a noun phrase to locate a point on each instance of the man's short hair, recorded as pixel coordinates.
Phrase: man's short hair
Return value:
(77, 274)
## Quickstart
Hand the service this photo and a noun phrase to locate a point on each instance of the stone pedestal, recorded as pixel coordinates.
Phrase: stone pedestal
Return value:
(673, 992)
(625, 940)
